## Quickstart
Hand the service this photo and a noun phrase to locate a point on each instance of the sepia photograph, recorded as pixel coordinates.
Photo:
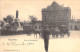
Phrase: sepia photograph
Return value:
(39, 26)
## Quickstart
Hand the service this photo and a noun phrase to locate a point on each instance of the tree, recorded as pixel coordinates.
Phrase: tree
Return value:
(32, 18)
(1, 23)
(8, 19)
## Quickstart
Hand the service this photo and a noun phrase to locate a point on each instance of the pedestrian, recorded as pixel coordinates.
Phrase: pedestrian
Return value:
(29, 32)
(57, 31)
(35, 34)
(53, 32)
(45, 34)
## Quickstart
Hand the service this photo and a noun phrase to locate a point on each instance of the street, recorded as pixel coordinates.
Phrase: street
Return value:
(24, 43)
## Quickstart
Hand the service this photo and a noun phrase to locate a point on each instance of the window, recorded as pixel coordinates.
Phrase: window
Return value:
(71, 26)
(39, 27)
(35, 27)
(32, 27)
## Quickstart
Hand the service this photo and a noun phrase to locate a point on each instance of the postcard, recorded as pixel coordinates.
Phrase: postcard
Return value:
(39, 26)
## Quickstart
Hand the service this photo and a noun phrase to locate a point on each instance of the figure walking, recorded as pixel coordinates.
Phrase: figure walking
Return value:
(57, 31)
(45, 34)
(53, 32)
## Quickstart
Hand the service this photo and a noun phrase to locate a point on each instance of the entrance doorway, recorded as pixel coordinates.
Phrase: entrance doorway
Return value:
(76, 27)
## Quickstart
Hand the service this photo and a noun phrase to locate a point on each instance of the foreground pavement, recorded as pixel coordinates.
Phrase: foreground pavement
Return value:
(24, 43)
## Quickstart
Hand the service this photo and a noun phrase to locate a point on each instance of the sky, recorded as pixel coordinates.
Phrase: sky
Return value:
(34, 7)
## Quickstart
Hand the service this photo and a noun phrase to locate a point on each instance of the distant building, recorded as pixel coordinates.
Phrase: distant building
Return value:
(37, 26)
(56, 14)
(74, 24)
(27, 26)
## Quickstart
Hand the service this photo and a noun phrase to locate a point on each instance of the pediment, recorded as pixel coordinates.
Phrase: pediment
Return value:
(54, 6)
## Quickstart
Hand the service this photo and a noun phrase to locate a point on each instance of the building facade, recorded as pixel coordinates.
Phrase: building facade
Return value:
(56, 14)
(37, 26)
(74, 24)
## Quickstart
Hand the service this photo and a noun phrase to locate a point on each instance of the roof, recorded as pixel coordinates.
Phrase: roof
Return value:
(54, 6)
(38, 21)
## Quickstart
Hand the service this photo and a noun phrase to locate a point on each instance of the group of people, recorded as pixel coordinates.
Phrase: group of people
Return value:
(55, 32)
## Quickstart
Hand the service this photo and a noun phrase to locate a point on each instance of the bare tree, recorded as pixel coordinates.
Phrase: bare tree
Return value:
(32, 18)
